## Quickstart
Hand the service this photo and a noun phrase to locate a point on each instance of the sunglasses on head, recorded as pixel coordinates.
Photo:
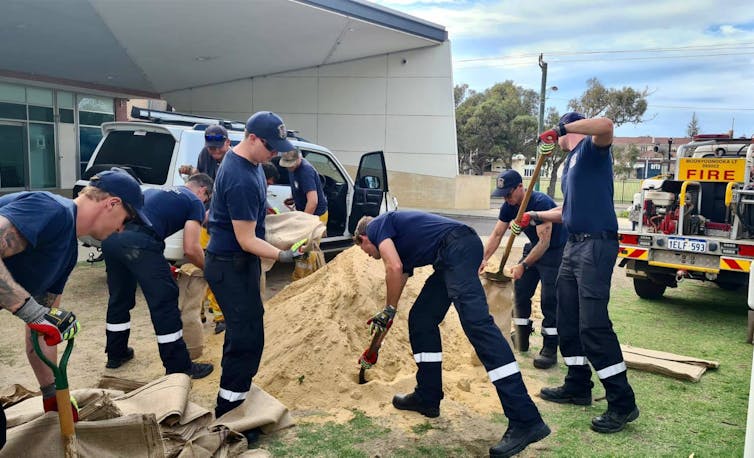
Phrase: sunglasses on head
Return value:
(215, 138)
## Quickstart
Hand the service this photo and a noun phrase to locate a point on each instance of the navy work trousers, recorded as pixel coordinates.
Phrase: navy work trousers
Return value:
(235, 281)
(456, 280)
(136, 256)
(584, 327)
(545, 270)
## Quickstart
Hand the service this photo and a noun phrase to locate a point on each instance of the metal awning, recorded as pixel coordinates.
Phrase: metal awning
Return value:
(149, 47)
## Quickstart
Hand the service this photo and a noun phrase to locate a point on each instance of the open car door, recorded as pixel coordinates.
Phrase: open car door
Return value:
(370, 190)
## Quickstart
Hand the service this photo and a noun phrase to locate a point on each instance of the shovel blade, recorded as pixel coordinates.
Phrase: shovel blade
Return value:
(497, 276)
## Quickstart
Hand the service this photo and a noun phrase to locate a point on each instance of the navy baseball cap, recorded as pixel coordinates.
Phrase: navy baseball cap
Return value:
(215, 136)
(571, 116)
(506, 182)
(119, 183)
(269, 127)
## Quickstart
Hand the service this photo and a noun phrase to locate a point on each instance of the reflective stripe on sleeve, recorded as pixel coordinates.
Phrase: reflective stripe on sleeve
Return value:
(118, 327)
(168, 338)
(575, 360)
(232, 396)
(609, 371)
(503, 371)
(428, 357)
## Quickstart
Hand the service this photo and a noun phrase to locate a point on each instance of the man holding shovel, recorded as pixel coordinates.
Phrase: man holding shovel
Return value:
(409, 239)
(39, 248)
(539, 263)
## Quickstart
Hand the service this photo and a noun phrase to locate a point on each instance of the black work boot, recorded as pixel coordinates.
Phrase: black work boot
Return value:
(562, 395)
(612, 422)
(114, 362)
(547, 358)
(520, 337)
(413, 402)
(201, 370)
(516, 438)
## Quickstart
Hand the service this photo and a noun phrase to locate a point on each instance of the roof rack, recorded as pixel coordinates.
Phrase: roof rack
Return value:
(171, 117)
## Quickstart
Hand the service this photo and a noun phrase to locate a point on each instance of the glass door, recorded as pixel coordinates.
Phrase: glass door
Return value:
(12, 156)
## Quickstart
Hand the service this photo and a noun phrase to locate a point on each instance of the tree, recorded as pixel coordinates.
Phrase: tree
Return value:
(461, 93)
(494, 125)
(624, 158)
(693, 127)
(625, 105)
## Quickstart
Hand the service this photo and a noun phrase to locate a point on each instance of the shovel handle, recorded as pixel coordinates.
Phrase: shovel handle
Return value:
(522, 210)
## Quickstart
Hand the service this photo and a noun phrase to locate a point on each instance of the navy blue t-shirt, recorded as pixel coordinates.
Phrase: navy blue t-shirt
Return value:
(304, 179)
(588, 189)
(169, 209)
(240, 194)
(48, 223)
(207, 164)
(538, 201)
(416, 235)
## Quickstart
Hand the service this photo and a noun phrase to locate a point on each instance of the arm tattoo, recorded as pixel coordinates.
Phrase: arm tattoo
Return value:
(47, 299)
(12, 295)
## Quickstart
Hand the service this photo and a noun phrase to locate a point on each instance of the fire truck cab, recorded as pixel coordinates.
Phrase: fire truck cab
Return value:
(698, 224)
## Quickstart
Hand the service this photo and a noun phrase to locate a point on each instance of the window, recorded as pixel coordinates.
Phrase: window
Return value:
(148, 154)
(93, 111)
(324, 165)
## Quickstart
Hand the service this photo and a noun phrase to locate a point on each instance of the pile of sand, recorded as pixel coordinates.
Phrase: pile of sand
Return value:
(315, 331)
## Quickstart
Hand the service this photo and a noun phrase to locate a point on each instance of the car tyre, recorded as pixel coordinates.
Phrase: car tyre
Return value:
(647, 289)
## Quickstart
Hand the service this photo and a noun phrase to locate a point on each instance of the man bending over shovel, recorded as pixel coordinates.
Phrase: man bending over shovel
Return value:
(39, 248)
(410, 239)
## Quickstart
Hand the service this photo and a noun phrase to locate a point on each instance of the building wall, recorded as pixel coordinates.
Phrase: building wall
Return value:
(399, 103)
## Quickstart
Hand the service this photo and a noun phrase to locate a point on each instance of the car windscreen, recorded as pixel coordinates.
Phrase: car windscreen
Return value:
(147, 154)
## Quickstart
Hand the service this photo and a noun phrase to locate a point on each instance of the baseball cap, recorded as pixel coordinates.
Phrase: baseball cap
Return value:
(289, 158)
(571, 116)
(119, 183)
(269, 127)
(215, 136)
(506, 182)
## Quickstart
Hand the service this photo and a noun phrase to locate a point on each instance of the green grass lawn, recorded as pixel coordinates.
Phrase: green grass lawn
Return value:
(678, 418)
(623, 190)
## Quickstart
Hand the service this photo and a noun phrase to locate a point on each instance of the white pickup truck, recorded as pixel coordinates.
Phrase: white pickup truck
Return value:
(154, 149)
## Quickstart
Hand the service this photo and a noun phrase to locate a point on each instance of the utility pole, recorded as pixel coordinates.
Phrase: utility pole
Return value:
(542, 95)
(670, 148)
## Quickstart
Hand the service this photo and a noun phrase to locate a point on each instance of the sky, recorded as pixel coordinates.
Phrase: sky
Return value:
(693, 56)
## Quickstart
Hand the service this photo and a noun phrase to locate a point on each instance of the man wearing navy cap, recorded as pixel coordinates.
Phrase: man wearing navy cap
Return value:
(136, 256)
(216, 144)
(39, 248)
(540, 262)
(233, 269)
(306, 187)
(584, 326)
(405, 240)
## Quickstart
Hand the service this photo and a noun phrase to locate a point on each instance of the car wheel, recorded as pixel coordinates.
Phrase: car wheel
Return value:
(647, 289)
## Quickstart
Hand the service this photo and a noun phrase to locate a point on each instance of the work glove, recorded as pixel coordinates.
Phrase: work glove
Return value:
(551, 136)
(56, 325)
(528, 219)
(382, 320)
(293, 253)
(50, 404)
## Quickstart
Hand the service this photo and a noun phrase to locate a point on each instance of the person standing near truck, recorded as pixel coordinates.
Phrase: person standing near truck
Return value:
(237, 228)
(306, 186)
(539, 264)
(584, 327)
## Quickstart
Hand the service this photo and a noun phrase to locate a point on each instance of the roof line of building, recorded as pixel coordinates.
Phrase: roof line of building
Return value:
(383, 16)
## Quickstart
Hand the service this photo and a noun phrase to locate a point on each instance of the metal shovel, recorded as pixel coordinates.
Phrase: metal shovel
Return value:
(500, 274)
(62, 395)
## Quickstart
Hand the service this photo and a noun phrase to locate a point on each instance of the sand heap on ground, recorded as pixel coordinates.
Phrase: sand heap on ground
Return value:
(315, 332)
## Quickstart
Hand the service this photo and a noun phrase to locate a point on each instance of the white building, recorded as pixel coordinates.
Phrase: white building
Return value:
(347, 74)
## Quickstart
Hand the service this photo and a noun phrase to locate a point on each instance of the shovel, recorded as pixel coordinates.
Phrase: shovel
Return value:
(370, 355)
(62, 395)
(544, 150)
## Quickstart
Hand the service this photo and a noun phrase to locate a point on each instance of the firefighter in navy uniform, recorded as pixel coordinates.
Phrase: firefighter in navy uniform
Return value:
(584, 326)
(540, 262)
(136, 256)
(410, 239)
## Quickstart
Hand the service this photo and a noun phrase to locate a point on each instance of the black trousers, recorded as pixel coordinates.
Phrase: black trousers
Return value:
(235, 281)
(545, 270)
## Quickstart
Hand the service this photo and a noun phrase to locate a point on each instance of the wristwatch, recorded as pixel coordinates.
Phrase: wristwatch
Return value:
(526, 266)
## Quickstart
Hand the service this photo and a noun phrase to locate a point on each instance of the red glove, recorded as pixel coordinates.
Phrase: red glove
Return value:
(56, 325)
(174, 272)
(550, 136)
(51, 405)
(526, 219)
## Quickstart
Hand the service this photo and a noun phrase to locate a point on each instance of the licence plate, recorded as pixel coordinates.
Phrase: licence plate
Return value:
(695, 245)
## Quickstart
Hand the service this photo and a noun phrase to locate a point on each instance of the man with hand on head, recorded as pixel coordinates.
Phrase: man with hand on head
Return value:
(584, 327)
(135, 256)
(539, 263)
(237, 229)
(39, 247)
